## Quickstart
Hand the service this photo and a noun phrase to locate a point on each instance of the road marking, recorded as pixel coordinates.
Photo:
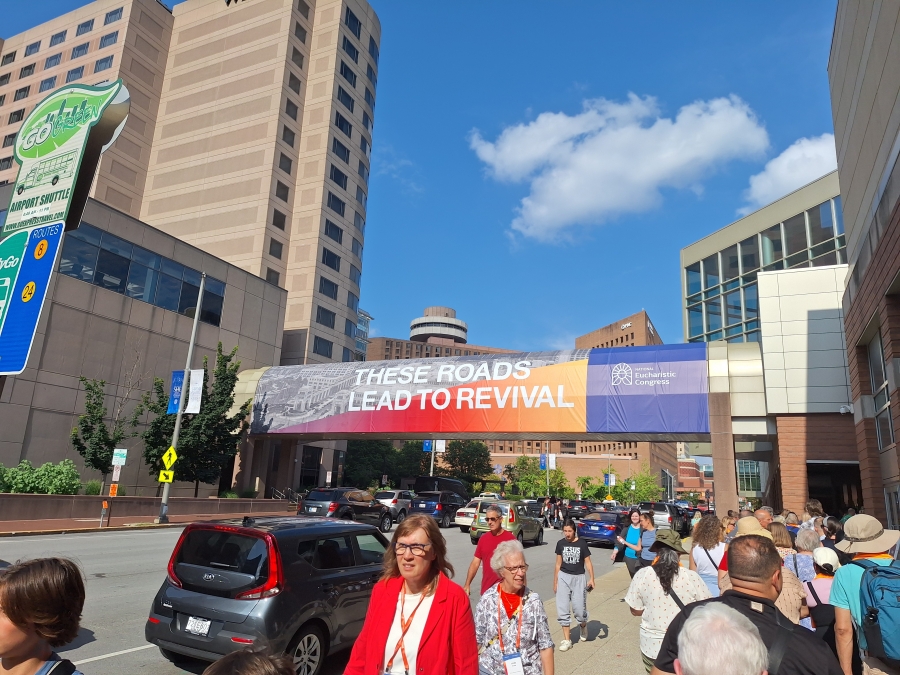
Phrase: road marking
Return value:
(110, 655)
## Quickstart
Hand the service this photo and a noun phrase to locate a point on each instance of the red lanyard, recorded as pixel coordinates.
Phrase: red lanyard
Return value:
(404, 625)
(520, 610)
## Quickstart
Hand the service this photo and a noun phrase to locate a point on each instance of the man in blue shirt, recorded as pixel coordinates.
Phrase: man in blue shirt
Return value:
(864, 538)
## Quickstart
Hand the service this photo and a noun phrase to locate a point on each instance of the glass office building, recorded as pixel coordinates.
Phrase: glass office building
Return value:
(720, 291)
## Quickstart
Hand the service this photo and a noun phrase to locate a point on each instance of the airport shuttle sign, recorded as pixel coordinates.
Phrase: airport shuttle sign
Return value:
(652, 390)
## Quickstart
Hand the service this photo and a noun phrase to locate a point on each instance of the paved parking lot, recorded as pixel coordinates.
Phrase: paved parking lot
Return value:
(125, 569)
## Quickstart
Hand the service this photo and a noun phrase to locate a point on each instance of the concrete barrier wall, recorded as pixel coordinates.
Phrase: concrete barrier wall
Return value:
(37, 507)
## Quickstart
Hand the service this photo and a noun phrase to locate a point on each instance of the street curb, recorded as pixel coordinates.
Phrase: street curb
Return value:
(82, 530)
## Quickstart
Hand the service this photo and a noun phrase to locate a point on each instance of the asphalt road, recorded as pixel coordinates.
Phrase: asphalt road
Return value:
(125, 569)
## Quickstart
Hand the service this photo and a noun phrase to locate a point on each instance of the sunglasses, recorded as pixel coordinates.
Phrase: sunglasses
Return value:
(492, 519)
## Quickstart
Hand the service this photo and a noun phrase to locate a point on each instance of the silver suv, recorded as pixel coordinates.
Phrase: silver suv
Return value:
(397, 501)
(665, 516)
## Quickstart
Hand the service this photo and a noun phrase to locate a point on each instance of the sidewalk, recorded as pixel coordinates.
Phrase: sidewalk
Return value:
(59, 526)
(613, 644)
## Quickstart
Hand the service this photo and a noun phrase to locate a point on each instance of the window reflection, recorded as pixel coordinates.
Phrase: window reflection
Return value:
(711, 271)
(97, 257)
(771, 245)
(795, 234)
(713, 315)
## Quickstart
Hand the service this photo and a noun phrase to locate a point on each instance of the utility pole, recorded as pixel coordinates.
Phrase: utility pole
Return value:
(164, 505)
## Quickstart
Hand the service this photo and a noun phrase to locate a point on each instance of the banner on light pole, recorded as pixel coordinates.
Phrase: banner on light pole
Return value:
(195, 391)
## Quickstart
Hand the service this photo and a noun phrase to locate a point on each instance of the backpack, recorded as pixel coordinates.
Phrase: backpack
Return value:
(879, 600)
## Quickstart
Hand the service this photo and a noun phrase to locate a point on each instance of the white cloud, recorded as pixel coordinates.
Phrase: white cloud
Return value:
(803, 162)
(615, 157)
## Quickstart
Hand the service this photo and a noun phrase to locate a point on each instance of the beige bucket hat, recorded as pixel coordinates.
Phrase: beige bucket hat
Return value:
(865, 534)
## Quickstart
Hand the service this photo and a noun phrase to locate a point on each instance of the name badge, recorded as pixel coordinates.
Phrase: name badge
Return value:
(513, 665)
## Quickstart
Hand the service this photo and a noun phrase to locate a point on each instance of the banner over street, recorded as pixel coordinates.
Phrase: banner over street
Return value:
(659, 391)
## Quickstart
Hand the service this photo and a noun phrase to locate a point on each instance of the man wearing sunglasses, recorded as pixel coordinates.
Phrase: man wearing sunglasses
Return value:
(487, 544)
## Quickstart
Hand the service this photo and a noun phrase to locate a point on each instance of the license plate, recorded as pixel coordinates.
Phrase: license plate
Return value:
(313, 509)
(198, 626)
(595, 529)
(422, 505)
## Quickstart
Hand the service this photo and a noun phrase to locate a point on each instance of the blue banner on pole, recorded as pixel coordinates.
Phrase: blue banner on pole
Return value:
(426, 446)
(176, 391)
(543, 462)
(606, 479)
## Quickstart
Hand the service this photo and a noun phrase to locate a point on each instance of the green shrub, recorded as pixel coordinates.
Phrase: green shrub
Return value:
(92, 487)
(228, 494)
(3, 486)
(21, 479)
(58, 479)
(248, 494)
(122, 492)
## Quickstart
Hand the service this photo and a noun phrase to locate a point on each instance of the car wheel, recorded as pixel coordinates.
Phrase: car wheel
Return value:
(539, 539)
(307, 651)
(347, 516)
(474, 541)
(172, 657)
(445, 520)
(463, 528)
(401, 516)
(386, 523)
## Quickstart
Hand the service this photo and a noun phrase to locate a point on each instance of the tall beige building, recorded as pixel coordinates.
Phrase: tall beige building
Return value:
(104, 40)
(261, 154)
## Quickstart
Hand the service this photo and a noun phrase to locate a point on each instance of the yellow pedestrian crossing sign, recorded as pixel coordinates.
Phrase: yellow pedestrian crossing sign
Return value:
(166, 476)
(169, 459)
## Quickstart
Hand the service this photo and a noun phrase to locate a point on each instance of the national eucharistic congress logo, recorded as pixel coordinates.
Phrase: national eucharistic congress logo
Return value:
(621, 374)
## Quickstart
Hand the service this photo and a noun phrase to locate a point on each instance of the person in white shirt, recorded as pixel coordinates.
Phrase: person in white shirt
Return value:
(707, 550)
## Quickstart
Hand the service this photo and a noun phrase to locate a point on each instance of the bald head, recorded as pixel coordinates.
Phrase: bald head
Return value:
(764, 516)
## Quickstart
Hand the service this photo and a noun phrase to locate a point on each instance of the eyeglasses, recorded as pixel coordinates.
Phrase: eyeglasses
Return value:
(491, 520)
(517, 568)
(416, 549)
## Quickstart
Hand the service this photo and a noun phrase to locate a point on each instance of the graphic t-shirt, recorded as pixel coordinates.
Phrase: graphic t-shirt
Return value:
(487, 544)
(573, 554)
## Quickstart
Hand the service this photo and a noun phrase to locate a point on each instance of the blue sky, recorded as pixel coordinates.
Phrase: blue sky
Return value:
(539, 166)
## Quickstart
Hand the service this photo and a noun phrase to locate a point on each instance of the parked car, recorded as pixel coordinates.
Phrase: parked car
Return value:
(534, 507)
(441, 484)
(294, 585)
(348, 504)
(665, 516)
(579, 508)
(466, 515)
(601, 528)
(516, 519)
(442, 506)
(397, 501)
(488, 495)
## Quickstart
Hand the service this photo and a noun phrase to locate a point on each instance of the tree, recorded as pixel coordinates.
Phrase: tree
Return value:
(207, 439)
(469, 461)
(527, 476)
(368, 461)
(412, 461)
(559, 485)
(585, 483)
(92, 437)
(647, 488)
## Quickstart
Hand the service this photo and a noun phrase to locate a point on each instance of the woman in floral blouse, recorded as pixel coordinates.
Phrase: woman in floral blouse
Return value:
(510, 620)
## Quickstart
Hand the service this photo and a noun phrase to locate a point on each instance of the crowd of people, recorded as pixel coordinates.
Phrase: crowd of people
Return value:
(761, 593)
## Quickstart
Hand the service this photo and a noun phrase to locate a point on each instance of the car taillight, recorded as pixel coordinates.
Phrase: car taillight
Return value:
(460, 514)
(242, 641)
(670, 520)
(273, 583)
(152, 619)
(170, 569)
(439, 507)
(393, 502)
(611, 528)
(512, 516)
(332, 507)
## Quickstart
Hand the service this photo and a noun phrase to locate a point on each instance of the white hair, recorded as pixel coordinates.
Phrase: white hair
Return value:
(807, 540)
(504, 549)
(717, 640)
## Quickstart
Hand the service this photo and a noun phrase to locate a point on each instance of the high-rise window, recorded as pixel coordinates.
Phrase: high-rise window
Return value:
(276, 248)
(299, 32)
(297, 57)
(364, 145)
(303, 8)
(8, 140)
(363, 171)
(360, 196)
(85, 27)
(57, 38)
(7, 59)
(348, 74)
(272, 276)
(285, 163)
(103, 64)
(359, 222)
(338, 176)
(288, 136)
(114, 15)
(52, 61)
(349, 328)
(367, 121)
(294, 83)
(355, 275)
(345, 98)
(279, 220)
(352, 301)
(325, 317)
(16, 116)
(341, 123)
(109, 39)
(331, 259)
(27, 71)
(21, 93)
(334, 232)
(328, 288)
(281, 191)
(373, 49)
(357, 248)
(354, 24)
(880, 394)
(335, 203)
(79, 50)
(32, 48)
(349, 48)
(340, 150)
(291, 109)
(6, 163)
(322, 347)
(370, 73)
(370, 98)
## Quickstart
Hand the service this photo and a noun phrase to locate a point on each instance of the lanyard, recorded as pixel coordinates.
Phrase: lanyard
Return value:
(404, 625)
(519, 611)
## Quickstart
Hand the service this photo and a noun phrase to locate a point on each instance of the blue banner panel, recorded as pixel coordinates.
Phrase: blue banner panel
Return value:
(657, 389)
(24, 303)
(176, 391)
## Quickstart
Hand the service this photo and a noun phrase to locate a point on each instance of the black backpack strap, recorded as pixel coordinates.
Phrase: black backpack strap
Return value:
(779, 646)
(812, 590)
(674, 596)
(706, 551)
(62, 667)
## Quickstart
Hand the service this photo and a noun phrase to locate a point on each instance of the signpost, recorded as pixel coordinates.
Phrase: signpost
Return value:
(428, 446)
(57, 148)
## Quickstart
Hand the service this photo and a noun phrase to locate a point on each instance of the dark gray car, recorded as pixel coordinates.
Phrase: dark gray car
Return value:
(349, 504)
(290, 584)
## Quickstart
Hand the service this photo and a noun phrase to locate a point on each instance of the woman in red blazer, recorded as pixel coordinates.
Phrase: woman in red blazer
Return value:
(419, 622)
